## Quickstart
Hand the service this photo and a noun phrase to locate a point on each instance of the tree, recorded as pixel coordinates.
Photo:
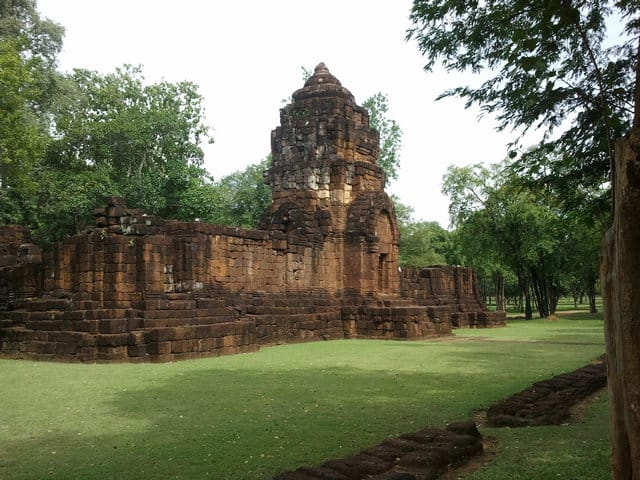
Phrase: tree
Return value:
(142, 141)
(390, 133)
(582, 253)
(244, 196)
(620, 287)
(23, 135)
(423, 244)
(552, 69)
(469, 189)
(549, 68)
(505, 226)
(67, 141)
(41, 37)
(28, 49)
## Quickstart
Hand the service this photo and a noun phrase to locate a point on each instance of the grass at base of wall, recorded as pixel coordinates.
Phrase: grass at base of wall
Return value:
(251, 416)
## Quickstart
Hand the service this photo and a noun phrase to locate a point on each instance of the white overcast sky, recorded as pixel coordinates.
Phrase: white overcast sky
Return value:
(246, 57)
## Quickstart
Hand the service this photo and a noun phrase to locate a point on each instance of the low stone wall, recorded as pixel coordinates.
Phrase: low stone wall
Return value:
(425, 454)
(169, 327)
(137, 288)
(451, 293)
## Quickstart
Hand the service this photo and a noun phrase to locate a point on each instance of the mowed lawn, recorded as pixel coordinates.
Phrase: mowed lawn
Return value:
(254, 415)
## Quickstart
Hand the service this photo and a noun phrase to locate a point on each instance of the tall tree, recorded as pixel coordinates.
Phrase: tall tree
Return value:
(29, 46)
(390, 133)
(550, 67)
(505, 226)
(66, 141)
(421, 243)
(141, 140)
(620, 271)
(41, 38)
(582, 255)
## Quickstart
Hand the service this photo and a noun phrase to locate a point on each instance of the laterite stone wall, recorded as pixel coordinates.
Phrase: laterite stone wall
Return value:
(323, 265)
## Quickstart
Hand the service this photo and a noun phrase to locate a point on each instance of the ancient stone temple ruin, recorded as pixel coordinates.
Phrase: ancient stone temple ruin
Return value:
(323, 265)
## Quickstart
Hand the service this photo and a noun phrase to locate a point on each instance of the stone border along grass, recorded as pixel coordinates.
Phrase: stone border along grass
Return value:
(548, 402)
(428, 453)
(422, 455)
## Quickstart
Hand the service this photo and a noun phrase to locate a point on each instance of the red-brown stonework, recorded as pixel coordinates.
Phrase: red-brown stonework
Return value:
(451, 293)
(323, 265)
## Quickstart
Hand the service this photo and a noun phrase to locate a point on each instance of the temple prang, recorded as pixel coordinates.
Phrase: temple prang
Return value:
(322, 265)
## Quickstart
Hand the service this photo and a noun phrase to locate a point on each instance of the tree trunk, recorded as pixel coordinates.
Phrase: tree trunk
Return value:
(540, 290)
(591, 294)
(499, 283)
(528, 311)
(554, 297)
(523, 285)
(620, 273)
(592, 303)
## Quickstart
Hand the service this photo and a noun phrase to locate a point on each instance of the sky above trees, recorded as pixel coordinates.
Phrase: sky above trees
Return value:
(246, 58)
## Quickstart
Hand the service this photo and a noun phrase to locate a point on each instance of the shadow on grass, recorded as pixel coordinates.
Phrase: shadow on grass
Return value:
(582, 315)
(241, 424)
(255, 416)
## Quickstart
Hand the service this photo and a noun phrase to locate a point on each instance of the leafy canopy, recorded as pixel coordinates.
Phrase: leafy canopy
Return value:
(29, 45)
(506, 227)
(546, 64)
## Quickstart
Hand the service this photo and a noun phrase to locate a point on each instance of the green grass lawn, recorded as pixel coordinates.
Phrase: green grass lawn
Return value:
(253, 415)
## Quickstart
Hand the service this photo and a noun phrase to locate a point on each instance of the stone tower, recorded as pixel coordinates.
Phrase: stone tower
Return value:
(324, 265)
(325, 181)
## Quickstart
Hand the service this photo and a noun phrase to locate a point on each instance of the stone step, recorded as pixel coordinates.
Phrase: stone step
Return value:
(148, 323)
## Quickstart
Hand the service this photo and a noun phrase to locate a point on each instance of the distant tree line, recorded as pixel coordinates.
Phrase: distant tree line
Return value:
(526, 246)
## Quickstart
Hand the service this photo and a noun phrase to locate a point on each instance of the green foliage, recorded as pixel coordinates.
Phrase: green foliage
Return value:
(65, 207)
(252, 416)
(581, 274)
(22, 132)
(66, 141)
(28, 47)
(548, 67)
(421, 243)
(390, 133)
(244, 196)
(504, 226)
(98, 135)
(147, 135)
(41, 38)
